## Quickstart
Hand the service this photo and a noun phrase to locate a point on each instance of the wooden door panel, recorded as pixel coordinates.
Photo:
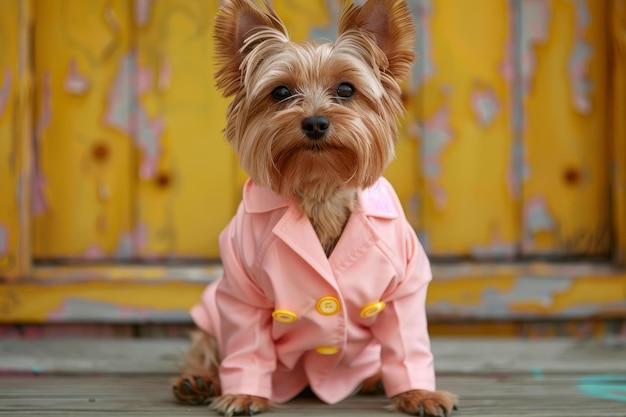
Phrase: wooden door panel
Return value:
(468, 203)
(82, 189)
(617, 21)
(187, 189)
(563, 81)
(11, 232)
(503, 146)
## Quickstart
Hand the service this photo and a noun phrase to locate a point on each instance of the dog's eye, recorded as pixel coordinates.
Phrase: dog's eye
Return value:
(345, 90)
(281, 93)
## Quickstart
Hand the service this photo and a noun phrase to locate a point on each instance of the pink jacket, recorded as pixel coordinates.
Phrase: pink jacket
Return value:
(286, 316)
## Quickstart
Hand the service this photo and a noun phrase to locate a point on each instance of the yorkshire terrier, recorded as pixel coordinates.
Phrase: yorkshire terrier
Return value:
(324, 281)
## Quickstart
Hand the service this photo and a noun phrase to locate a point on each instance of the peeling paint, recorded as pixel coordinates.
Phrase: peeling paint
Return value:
(143, 11)
(580, 58)
(165, 74)
(485, 104)
(535, 22)
(125, 113)
(5, 89)
(75, 82)
(497, 248)
(531, 30)
(93, 252)
(425, 68)
(77, 309)
(437, 135)
(130, 243)
(4, 240)
(537, 218)
(39, 199)
(501, 303)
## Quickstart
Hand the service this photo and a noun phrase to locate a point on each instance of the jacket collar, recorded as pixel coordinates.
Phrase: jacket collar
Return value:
(379, 200)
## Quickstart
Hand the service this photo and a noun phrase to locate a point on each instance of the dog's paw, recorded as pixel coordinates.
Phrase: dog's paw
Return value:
(195, 389)
(425, 403)
(240, 405)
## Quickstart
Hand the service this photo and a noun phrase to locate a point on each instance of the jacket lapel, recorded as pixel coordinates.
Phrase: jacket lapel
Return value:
(296, 231)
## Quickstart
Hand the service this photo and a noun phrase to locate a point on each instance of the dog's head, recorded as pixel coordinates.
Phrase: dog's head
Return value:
(307, 117)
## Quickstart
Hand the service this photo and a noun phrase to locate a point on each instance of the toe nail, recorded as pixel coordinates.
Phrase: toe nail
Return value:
(199, 382)
(186, 388)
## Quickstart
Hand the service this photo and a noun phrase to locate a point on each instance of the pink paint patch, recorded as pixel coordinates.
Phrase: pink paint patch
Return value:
(436, 136)
(165, 75)
(5, 89)
(580, 60)
(536, 18)
(144, 80)
(75, 82)
(143, 10)
(39, 200)
(125, 113)
(486, 105)
(93, 252)
(45, 115)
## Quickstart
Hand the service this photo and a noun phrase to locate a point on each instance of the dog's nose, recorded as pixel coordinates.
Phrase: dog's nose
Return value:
(315, 127)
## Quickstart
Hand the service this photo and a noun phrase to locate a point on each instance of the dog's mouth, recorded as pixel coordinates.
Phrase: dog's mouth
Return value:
(321, 147)
(315, 147)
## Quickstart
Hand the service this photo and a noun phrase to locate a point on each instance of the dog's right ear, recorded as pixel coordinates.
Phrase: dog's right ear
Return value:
(241, 25)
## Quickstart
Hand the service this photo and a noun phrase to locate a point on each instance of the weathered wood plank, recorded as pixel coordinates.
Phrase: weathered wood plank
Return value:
(453, 356)
(140, 294)
(149, 395)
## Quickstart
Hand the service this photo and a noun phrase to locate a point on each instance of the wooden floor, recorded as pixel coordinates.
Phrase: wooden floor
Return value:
(492, 377)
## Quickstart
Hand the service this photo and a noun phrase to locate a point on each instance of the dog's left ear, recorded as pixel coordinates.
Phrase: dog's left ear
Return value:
(240, 26)
(391, 25)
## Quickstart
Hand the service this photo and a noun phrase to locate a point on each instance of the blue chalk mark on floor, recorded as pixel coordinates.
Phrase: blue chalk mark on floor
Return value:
(607, 387)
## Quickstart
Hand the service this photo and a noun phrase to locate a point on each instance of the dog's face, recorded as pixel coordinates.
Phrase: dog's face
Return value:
(306, 118)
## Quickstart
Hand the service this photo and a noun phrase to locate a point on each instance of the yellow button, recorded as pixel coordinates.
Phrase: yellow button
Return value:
(327, 350)
(284, 316)
(372, 309)
(328, 306)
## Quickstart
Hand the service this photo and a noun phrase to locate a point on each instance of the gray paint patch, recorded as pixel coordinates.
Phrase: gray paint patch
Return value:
(79, 310)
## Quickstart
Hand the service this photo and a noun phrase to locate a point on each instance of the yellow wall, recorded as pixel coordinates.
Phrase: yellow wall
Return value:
(9, 170)
(504, 152)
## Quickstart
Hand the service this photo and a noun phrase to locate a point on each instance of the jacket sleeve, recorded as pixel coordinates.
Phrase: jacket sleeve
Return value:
(245, 316)
(402, 330)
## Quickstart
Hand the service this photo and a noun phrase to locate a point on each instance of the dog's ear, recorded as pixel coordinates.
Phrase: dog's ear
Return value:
(391, 25)
(241, 25)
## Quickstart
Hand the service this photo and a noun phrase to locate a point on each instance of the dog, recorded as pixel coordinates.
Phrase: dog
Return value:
(324, 281)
